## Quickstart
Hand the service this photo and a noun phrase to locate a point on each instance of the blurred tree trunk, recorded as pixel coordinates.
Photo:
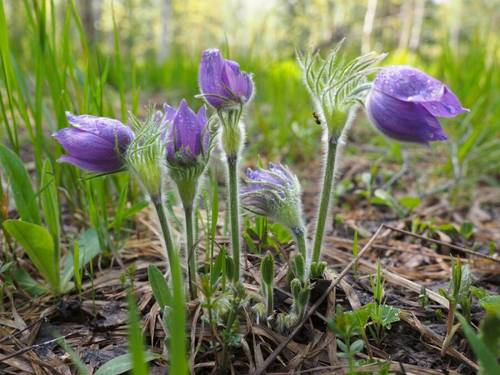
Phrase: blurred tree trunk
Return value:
(418, 18)
(368, 25)
(88, 19)
(164, 47)
(405, 17)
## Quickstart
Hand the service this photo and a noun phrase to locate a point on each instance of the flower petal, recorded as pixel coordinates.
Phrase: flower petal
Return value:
(409, 84)
(403, 121)
(447, 106)
(210, 77)
(102, 166)
(84, 145)
(106, 128)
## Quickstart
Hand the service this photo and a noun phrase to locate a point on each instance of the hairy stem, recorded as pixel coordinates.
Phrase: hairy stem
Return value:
(191, 251)
(300, 238)
(165, 228)
(326, 192)
(234, 212)
(335, 149)
(269, 302)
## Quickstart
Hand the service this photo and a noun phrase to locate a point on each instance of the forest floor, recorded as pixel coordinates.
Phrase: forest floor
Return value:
(93, 323)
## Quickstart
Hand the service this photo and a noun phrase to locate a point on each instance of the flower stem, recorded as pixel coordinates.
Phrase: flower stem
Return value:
(326, 193)
(234, 212)
(191, 251)
(167, 236)
(335, 148)
(178, 314)
(300, 238)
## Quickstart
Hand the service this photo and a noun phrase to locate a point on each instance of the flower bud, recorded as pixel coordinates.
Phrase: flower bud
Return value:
(267, 269)
(404, 104)
(274, 192)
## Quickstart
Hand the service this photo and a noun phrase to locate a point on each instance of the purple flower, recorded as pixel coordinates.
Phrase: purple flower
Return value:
(222, 84)
(188, 135)
(273, 192)
(96, 144)
(404, 104)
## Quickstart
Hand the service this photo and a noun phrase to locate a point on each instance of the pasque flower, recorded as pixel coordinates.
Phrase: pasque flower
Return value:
(222, 84)
(188, 150)
(275, 193)
(96, 144)
(404, 104)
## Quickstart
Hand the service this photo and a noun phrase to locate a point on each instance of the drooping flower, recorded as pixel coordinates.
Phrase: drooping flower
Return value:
(274, 192)
(222, 84)
(96, 144)
(188, 136)
(404, 104)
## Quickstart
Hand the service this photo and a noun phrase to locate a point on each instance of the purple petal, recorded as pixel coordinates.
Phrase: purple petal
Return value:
(186, 132)
(448, 106)
(102, 166)
(403, 121)
(412, 85)
(106, 128)
(262, 175)
(239, 84)
(84, 145)
(408, 84)
(169, 112)
(209, 77)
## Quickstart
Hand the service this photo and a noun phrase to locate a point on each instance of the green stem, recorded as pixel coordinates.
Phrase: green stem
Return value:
(165, 228)
(270, 303)
(234, 212)
(326, 193)
(300, 238)
(335, 148)
(191, 251)
(178, 317)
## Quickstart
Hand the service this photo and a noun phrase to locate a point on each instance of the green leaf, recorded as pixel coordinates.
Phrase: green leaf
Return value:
(388, 315)
(487, 359)
(491, 304)
(25, 281)
(89, 247)
(385, 198)
(343, 347)
(159, 286)
(21, 187)
(410, 203)
(467, 229)
(357, 346)
(38, 244)
(121, 364)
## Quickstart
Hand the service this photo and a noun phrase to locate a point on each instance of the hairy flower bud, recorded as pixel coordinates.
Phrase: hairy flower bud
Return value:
(267, 269)
(274, 192)
(404, 104)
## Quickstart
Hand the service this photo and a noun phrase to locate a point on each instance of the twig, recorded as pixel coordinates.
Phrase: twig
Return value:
(451, 246)
(314, 307)
(36, 346)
